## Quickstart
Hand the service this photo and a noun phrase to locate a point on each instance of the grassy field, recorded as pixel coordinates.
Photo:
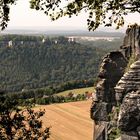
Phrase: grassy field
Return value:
(77, 91)
(68, 121)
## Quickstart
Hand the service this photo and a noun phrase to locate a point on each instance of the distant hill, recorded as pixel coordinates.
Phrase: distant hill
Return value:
(30, 62)
(63, 32)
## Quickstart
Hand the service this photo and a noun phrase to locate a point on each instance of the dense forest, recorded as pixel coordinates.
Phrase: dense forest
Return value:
(31, 62)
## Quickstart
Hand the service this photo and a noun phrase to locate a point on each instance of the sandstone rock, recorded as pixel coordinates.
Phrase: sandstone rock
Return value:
(111, 70)
(131, 42)
(129, 136)
(129, 82)
(126, 92)
(129, 115)
(138, 131)
(100, 111)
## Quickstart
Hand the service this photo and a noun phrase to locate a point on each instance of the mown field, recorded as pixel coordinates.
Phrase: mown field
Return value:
(68, 121)
(77, 91)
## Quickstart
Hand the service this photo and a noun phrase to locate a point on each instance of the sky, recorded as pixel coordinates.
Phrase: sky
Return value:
(21, 16)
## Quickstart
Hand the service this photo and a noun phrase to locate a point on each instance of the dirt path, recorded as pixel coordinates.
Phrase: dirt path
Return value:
(69, 121)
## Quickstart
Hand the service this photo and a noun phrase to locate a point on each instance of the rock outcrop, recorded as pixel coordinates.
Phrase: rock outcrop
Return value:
(112, 69)
(129, 115)
(131, 43)
(129, 82)
(128, 95)
(118, 92)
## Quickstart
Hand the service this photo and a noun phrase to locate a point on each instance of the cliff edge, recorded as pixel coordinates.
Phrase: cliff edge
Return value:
(116, 110)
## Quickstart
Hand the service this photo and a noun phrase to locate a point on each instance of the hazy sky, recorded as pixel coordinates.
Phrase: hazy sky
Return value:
(22, 15)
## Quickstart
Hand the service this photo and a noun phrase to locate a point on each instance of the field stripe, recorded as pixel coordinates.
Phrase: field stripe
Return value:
(69, 121)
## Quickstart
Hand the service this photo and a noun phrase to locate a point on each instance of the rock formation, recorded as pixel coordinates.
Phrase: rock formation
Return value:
(112, 69)
(128, 94)
(129, 115)
(129, 82)
(131, 43)
(117, 108)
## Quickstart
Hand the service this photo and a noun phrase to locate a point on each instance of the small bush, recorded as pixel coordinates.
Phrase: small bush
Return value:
(132, 59)
(114, 134)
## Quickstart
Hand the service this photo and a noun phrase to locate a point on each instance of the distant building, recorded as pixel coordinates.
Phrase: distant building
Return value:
(43, 40)
(45, 96)
(75, 95)
(88, 95)
(23, 90)
(55, 41)
(10, 44)
(71, 39)
(21, 42)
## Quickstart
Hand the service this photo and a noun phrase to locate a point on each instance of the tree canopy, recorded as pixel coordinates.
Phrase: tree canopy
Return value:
(101, 12)
(29, 63)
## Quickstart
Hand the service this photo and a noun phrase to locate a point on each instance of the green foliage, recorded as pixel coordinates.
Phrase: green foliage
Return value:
(4, 12)
(77, 91)
(105, 45)
(33, 94)
(106, 12)
(115, 133)
(60, 99)
(45, 99)
(132, 59)
(20, 124)
(31, 64)
(114, 113)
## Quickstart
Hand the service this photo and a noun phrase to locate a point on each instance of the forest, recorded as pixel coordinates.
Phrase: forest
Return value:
(33, 62)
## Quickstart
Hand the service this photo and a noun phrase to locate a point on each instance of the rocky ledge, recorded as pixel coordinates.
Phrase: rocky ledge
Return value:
(111, 70)
(128, 95)
(116, 110)
(129, 82)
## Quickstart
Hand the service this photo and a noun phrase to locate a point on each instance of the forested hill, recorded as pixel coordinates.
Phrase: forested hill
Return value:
(28, 62)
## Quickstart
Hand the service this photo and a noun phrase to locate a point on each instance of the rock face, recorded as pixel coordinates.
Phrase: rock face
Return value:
(129, 82)
(128, 94)
(112, 69)
(120, 90)
(131, 43)
(129, 115)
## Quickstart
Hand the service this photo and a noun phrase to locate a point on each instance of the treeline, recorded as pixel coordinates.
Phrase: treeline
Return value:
(32, 41)
(50, 91)
(104, 44)
(45, 96)
(46, 100)
(36, 62)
